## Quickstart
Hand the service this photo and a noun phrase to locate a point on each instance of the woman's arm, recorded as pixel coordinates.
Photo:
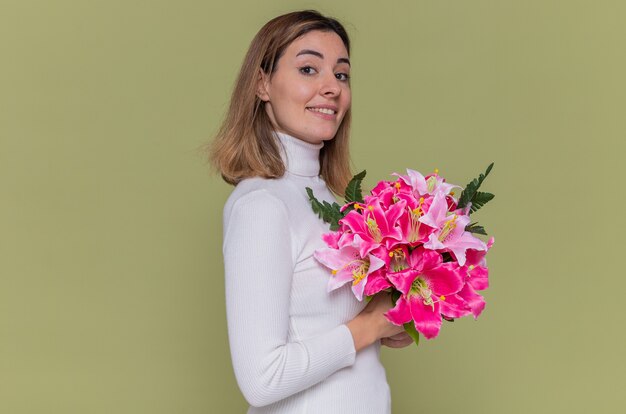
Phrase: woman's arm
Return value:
(258, 270)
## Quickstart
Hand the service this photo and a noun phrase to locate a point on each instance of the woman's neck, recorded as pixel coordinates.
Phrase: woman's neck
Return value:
(300, 157)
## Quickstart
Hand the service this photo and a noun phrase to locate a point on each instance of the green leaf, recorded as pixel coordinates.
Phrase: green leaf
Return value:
(470, 189)
(473, 228)
(332, 215)
(315, 204)
(409, 327)
(353, 190)
(479, 200)
(327, 212)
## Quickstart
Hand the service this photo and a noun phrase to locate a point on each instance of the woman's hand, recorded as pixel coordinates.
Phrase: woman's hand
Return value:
(397, 341)
(371, 324)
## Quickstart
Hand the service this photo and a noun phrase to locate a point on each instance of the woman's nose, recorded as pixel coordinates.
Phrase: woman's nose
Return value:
(330, 85)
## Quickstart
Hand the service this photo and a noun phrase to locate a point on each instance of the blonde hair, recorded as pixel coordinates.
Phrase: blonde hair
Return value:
(245, 145)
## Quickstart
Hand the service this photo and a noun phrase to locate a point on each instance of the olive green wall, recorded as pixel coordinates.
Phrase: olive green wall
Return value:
(111, 283)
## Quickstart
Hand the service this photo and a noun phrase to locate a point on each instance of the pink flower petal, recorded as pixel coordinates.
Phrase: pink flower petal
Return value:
(417, 181)
(436, 214)
(461, 244)
(375, 263)
(354, 222)
(426, 319)
(335, 259)
(475, 257)
(380, 186)
(394, 212)
(403, 280)
(421, 259)
(479, 278)
(444, 187)
(433, 243)
(359, 287)
(345, 206)
(445, 279)
(453, 306)
(460, 223)
(331, 239)
(475, 301)
(339, 279)
(400, 314)
(375, 283)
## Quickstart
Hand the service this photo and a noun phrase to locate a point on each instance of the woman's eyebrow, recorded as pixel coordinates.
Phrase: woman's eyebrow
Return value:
(319, 55)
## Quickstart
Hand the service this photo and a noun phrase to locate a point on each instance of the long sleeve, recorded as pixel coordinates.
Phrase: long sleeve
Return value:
(259, 264)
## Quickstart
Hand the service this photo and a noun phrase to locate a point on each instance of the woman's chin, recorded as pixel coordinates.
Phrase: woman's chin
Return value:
(326, 135)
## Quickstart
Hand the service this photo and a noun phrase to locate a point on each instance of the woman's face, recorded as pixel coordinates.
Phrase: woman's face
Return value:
(309, 93)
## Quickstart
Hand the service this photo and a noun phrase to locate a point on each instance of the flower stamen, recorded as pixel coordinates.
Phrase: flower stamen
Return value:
(447, 228)
(360, 272)
(372, 226)
(398, 260)
(432, 180)
(359, 266)
(420, 288)
(414, 223)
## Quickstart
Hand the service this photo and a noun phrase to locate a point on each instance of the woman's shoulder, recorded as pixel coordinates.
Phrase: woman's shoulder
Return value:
(260, 192)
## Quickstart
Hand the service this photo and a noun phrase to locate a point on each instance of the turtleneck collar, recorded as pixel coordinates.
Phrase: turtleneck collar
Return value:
(300, 157)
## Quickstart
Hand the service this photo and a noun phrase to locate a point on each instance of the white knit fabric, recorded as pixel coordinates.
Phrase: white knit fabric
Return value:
(290, 347)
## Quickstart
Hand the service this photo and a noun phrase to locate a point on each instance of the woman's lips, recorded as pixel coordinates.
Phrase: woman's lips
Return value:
(324, 115)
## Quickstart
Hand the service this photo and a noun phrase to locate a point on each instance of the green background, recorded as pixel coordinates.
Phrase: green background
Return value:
(111, 279)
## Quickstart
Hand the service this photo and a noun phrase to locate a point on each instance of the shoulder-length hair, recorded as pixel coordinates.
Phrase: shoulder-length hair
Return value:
(245, 145)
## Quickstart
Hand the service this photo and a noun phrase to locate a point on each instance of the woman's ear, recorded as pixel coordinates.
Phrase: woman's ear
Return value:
(262, 86)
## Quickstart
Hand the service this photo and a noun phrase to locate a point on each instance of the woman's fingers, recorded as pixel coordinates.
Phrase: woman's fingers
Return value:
(397, 341)
(401, 335)
(396, 344)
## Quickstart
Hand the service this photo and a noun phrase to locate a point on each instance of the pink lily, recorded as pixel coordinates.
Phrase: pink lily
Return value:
(380, 187)
(424, 286)
(476, 266)
(477, 278)
(430, 184)
(347, 265)
(413, 232)
(450, 231)
(375, 226)
(388, 191)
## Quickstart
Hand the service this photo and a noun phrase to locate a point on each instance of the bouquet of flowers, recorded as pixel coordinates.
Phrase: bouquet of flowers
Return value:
(410, 237)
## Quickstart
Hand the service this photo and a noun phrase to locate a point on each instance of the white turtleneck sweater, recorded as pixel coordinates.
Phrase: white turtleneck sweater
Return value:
(291, 349)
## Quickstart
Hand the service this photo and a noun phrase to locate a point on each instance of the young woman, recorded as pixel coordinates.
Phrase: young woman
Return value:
(295, 347)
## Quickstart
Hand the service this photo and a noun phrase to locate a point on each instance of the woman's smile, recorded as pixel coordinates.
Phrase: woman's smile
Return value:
(324, 112)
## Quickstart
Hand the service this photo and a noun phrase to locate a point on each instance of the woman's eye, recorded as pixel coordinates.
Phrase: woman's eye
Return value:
(307, 70)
